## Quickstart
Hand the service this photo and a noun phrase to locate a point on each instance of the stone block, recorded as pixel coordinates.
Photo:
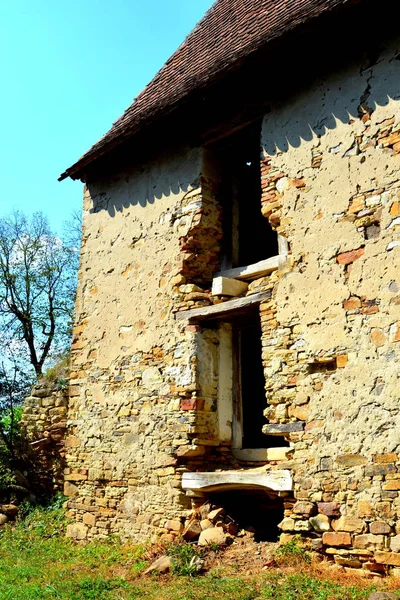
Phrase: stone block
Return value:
(192, 404)
(392, 485)
(351, 460)
(350, 524)
(282, 428)
(336, 539)
(192, 531)
(212, 535)
(215, 514)
(71, 441)
(9, 509)
(383, 596)
(365, 509)
(302, 525)
(387, 558)
(330, 509)
(190, 451)
(205, 523)
(385, 458)
(287, 524)
(368, 540)
(379, 470)
(380, 528)
(89, 519)
(304, 508)
(70, 489)
(394, 543)
(320, 523)
(348, 561)
(161, 565)
(345, 258)
(173, 525)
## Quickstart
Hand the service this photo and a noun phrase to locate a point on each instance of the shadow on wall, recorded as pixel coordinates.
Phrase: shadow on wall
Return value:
(172, 172)
(342, 97)
(304, 107)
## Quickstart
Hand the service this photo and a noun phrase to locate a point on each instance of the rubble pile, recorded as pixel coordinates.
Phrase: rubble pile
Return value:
(210, 524)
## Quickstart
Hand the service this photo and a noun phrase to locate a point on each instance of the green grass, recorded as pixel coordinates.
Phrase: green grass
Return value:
(37, 562)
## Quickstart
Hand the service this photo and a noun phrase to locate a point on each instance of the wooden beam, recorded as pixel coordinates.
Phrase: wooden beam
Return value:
(225, 286)
(279, 480)
(259, 269)
(262, 454)
(225, 310)
(283, 428)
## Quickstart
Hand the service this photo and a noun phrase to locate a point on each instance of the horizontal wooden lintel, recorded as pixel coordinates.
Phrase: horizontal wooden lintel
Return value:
(278, 480)
(283, 428)
(259, 269)
(224, 310)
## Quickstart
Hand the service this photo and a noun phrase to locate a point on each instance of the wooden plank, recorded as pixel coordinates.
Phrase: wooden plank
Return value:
(283, 245)
(259, 269)
(224, 310)
(279, 480)
(225, 286)
(283, 428)
(262, 454)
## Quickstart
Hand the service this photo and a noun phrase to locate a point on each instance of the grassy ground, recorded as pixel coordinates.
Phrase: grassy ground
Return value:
(36, 562)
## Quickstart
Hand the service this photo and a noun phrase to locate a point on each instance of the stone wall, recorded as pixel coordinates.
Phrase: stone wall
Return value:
(331, 185)
(144, 387)
(150, 247)
(44, 422)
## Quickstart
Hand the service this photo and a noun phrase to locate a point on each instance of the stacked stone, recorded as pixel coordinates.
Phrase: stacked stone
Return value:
(44, 422)
(367, 540)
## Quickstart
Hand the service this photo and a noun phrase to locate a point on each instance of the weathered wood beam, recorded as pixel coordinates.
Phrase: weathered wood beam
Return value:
(224, 310)
(283, 428)
(259, 269)
(262, 454)
(279, 480)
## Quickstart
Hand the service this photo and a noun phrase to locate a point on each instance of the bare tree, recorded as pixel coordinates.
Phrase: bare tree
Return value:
(37, 286)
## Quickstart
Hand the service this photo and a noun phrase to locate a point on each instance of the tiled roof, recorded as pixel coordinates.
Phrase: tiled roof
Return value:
(229, 31)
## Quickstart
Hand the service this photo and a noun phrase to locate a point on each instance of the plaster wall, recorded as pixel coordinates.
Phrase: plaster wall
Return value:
(332, 187)
(146, 400)
(133, 367)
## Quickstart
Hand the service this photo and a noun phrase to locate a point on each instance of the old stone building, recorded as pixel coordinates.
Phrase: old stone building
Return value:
(238, 316)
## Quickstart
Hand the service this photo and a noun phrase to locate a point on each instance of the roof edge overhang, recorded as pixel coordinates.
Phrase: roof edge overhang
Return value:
(182, 97)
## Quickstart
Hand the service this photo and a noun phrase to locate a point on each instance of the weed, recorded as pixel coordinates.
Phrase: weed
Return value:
(292, 552)
(184, 557)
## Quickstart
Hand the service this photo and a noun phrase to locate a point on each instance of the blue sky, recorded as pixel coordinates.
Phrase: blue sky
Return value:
(68, 70)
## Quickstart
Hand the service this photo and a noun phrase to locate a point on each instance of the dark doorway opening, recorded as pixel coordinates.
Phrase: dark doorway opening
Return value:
(257, 510)
(251, 384)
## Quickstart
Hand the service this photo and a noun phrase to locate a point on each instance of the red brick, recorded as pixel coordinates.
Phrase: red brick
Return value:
(345, 258)
(192, 404)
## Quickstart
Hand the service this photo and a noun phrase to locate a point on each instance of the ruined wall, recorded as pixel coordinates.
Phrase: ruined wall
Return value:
(150, 241)
(144, 387)
(331, 185)
(43, 422)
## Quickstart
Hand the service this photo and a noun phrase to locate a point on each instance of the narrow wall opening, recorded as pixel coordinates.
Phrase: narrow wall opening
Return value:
(249, 386)
(235, 162)
(254, 510)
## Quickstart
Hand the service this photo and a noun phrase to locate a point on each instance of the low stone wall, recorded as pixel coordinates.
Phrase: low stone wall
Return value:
(44, 423)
